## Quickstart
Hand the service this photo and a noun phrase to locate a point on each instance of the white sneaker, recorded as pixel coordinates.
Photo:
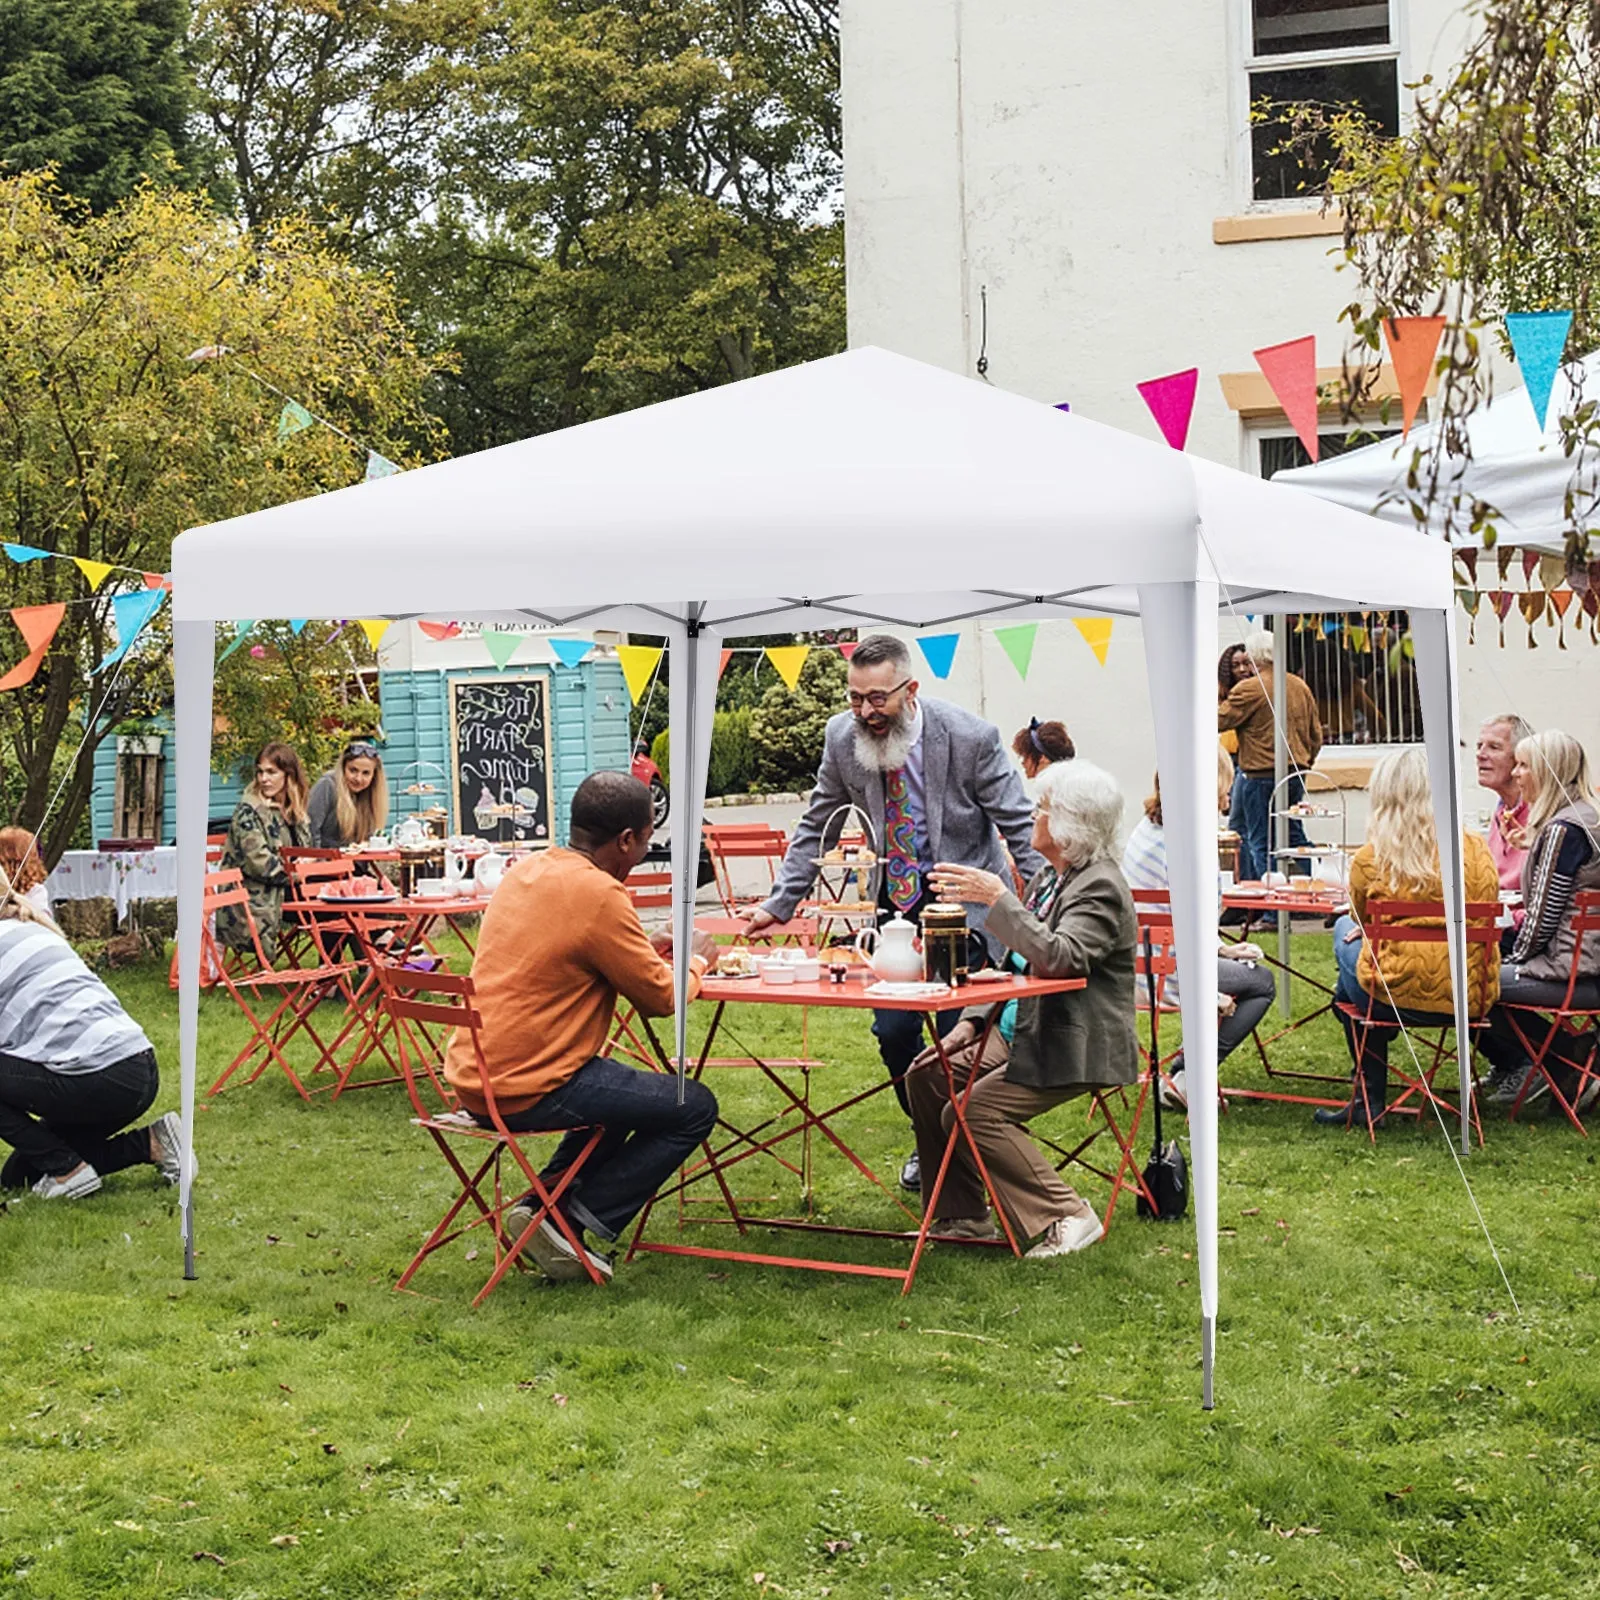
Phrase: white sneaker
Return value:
(1174, 1095)
(166, 1138)
(551, 1250)
(74, 1186)
(1066, 1235)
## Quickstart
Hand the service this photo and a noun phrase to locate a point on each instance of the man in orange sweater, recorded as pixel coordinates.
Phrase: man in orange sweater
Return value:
(560, 941)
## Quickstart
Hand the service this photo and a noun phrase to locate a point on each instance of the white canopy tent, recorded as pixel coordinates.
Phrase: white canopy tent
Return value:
(1523, 473)
(862, 489)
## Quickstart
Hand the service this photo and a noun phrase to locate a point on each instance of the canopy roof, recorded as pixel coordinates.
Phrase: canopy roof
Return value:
(1523, 474)
(862, 487)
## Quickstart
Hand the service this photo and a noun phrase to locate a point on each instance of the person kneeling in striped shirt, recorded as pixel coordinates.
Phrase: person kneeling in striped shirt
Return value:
(75, 1068)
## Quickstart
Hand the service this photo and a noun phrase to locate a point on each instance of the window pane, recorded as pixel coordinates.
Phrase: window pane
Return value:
(1284, 27)
(1369, 86)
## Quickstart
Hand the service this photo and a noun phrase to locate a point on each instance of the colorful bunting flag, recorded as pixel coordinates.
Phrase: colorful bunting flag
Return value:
(1096, 633)
(241, 631)
(1017, 642)
(939, 651)
(1291, 372)
(1560, 599)
(848, 649)
(132, 614)
(37, 625)
(157, 580)
(379, 466)
(501, 646)
(374, 628)
(23, 553)
(787, 660)
(1063, 405)
(297, 625)
(1358, 637)
(1468, 557)
(1530, 563)
(569, 652)
(95, 571)
(1538, 339)
(440, 630)
(293, 419)
(1171, 403)
(1552, 571)
(638, 663)
(1413, 344)
(722, 664)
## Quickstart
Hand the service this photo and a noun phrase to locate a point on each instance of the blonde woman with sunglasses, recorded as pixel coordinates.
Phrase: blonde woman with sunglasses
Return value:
(349, 803)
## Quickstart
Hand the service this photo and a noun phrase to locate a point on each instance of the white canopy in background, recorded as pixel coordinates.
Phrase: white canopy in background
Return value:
(1523, 473)
(862, 489)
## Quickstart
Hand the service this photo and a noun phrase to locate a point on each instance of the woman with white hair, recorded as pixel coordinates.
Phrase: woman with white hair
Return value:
(1400, 861)
(1563, 859)
(1074, 920)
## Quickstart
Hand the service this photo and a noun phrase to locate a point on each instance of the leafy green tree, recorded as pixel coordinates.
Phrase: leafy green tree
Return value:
(1489, 202)
(787, 727)
(96, 89)
(651, 209)
(114, 437)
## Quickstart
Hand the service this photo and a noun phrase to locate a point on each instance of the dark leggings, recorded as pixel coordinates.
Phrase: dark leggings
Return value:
(54, 1120)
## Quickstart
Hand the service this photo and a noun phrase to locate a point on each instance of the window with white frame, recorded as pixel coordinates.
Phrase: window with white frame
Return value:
(1336, 53)
(1358, 665)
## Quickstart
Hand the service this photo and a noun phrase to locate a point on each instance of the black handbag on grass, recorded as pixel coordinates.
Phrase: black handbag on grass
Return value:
(1164, 1191)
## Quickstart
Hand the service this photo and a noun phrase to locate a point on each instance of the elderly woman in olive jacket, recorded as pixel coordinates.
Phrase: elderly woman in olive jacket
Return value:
(1075, 920)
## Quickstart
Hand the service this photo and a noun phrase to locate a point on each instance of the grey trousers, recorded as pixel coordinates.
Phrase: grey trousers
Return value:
(1025, 1181)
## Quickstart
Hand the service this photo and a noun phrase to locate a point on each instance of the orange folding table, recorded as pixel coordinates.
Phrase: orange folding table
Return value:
(795, 1115)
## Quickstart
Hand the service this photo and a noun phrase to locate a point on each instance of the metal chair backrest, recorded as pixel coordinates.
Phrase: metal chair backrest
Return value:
(1388, 922)
(1585, 918)
(650, 891)
(410, 999)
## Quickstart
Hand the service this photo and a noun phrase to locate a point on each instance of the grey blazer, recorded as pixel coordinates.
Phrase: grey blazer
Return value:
(972, 791)
(1085, 1036)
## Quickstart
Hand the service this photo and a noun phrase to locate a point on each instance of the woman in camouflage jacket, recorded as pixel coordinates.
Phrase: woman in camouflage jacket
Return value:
(271, 814)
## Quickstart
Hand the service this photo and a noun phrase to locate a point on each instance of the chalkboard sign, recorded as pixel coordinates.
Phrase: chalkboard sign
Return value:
(500, 774)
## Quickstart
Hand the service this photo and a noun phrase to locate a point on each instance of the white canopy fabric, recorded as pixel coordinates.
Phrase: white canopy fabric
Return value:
(1523, 473)
(862, 489)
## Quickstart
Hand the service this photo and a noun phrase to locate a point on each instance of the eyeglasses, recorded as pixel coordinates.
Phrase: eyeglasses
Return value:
(360, 748)
(876, 698)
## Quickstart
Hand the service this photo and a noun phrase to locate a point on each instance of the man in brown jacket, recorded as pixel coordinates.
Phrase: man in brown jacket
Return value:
(1249, 709)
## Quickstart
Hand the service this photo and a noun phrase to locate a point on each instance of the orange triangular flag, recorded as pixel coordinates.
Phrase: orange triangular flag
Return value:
(1291, 371)
(38, 625)
(722, 664)
(1413, 343)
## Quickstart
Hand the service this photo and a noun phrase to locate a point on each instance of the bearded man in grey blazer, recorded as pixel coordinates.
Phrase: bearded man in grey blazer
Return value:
(936, 784)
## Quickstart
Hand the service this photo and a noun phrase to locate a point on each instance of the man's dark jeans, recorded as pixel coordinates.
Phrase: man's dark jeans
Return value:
(54, 1120)
(1250, 816)
(648, 1136)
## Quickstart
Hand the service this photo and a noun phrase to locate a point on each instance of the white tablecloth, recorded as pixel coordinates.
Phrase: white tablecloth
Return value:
(119, 875)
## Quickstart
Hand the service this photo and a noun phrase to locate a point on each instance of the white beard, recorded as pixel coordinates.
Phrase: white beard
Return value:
(891, 751)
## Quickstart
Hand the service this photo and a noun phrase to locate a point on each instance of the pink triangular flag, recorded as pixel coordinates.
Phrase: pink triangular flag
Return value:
(1291, 371)
(440, 630)
(1171, 402)
(848, 649)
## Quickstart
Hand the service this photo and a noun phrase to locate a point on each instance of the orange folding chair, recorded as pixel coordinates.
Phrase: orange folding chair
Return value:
(447, 1000)
(1540, 1028)
(214, 845)
(1383, 929)
(727, 842)
(294, 993)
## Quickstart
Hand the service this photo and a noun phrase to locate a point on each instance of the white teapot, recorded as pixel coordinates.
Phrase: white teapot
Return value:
(410, 833)
(488, 872)
(892, 954)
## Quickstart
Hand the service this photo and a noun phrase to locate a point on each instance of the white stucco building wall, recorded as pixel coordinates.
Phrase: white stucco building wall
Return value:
(1074, 164)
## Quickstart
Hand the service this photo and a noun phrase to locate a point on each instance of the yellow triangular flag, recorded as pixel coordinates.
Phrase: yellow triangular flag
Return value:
(95, 571)
(1096, 633)
(788, 659)
(374, 628)
(638, 662)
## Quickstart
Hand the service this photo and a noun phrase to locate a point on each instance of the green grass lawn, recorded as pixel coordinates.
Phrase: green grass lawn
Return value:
(288, 1425)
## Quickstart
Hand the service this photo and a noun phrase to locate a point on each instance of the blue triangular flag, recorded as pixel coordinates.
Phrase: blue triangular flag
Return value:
(1538, 338)
(569, 652)
(297, 625)
(939, 650)
(132, 614)
(241, 631)
(379, 466)
(293, 419)
(25, 552)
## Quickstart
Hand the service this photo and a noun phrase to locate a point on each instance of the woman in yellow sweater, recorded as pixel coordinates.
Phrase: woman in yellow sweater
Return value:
(1400, 861)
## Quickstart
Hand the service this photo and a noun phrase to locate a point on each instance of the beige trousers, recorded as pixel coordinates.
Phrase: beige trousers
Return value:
(1025, 1182)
